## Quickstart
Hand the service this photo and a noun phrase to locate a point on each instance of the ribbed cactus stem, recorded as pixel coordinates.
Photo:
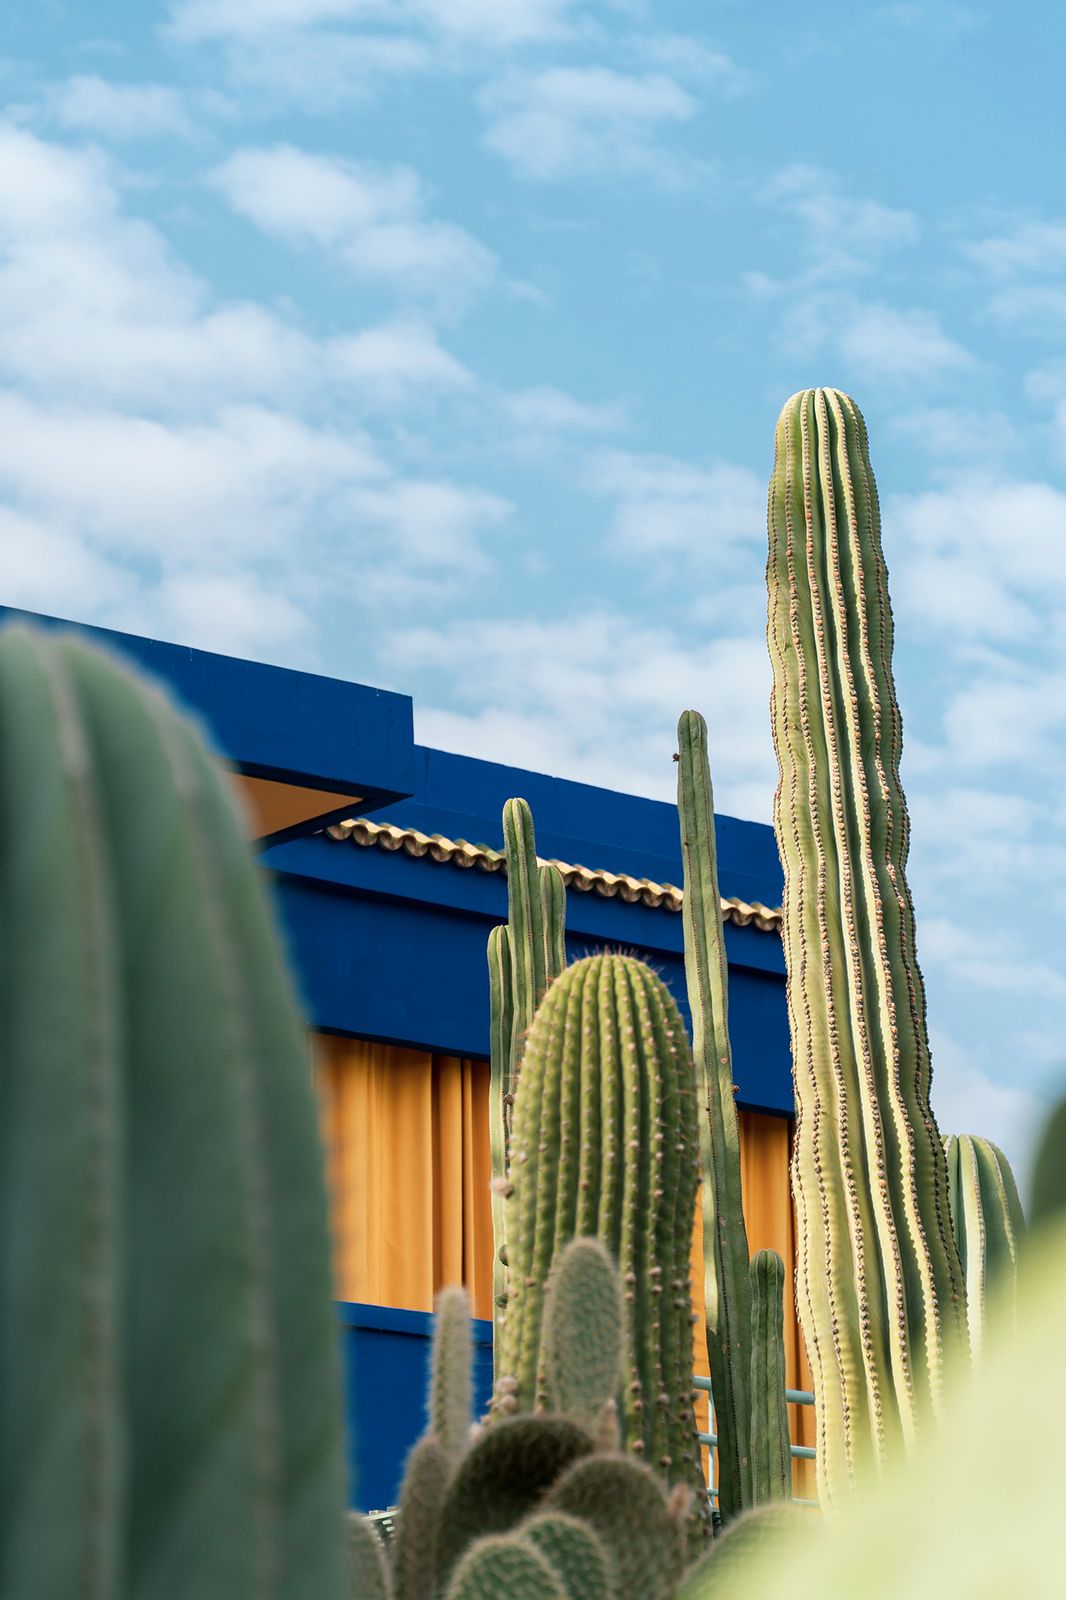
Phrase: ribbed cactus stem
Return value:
(605, 1141)
(989, 1224)
(501, 1027)
(505, 1567)
(880, 1287)
(528, 941)
(727, 1291)
(171, 1416)
(771, 1452)
(451, 1387)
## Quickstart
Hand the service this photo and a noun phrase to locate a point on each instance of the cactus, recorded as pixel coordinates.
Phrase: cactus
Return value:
(749, 1539)
(502, 1568)
(501, 1479)
(624, 1504)
(583, 1332)
(414, 1544)
(368, 1577)
(574, 1551)
(171, 1413)
(880, 1286)
(727, 1292)
(524, 956)
(605, 1143)
(1047, 1196)
(451, 1393)
(986, 1214)
(771, 1446)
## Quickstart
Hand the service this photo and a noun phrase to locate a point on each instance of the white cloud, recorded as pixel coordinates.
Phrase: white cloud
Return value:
(1030, 248)
(936, 18)
(982, 557)
(595, 696)
(692, 60)
(434, 525)
(667, 506)
(841, 234)
(953, 434)
(571, 121)
(478, 21)
(546, 410)
(371, 217)
(967, 1100)
(987, 961)
(93, 105)
(897, 344)
(94, 306)
(398, 357)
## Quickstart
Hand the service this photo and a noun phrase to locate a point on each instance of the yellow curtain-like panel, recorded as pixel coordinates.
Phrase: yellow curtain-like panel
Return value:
(407, 1148)
(407, 1157)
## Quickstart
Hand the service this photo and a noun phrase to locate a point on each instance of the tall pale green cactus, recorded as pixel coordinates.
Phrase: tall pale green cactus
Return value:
(880, 1287)
(605, 1143)
(170, 1410)
(988, 1221)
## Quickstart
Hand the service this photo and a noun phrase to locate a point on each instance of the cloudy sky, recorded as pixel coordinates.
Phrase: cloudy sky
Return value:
(438, 344)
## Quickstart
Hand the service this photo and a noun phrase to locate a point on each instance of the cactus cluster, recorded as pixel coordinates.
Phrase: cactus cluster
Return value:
(880, 1285)
(539, 1504)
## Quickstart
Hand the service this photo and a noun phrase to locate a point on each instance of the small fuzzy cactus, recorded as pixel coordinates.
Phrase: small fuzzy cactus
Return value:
(413, 1548)
(988, 1220)
(879, 1283)
(451, 1367)
(624, 1504)
(368, 1576)
(583, 1346)
(574, 1551)
(605, 1144)
(503, 1568)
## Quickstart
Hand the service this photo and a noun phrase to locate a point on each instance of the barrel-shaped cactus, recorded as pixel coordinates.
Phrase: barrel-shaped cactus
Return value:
(880, 1287)
(605, 1144)
(988, 1220)
(170, 1412)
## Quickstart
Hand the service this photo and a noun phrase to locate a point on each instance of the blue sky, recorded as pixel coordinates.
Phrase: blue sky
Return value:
(438, 344)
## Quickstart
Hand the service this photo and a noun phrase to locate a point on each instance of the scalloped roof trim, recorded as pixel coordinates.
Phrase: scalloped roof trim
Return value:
(612, 885)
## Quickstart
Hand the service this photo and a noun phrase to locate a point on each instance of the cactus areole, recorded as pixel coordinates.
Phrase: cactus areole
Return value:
(880, 1288)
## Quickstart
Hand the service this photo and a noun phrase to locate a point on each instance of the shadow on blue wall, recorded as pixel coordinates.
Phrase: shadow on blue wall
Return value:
(386, 1382)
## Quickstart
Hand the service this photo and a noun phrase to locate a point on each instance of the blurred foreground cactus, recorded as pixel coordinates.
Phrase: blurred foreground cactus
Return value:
(880, 1285)
(987, 1217)
(170, 1409)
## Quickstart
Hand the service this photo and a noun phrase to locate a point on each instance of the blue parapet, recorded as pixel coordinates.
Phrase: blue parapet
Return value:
(385, 1357)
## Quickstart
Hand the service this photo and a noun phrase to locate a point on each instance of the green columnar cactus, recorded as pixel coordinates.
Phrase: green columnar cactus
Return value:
(524, 956)
(450, 1395)
(727, 1291)
(771, 1450)
(170, 1412)
(880, 1287)
(987, 1217)
(583, 1332)
(605, 1143)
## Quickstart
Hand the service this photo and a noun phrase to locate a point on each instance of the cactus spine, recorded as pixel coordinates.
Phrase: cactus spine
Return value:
(771, 1446)
(171, 1425)
(879, 1282)
(987, 1217)
(605, 1143)
(727, 1290)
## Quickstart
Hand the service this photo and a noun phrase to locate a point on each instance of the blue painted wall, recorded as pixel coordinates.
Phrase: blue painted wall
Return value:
(386, 1369)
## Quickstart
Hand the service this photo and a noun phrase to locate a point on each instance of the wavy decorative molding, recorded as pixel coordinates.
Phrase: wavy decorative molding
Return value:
(636, 891)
